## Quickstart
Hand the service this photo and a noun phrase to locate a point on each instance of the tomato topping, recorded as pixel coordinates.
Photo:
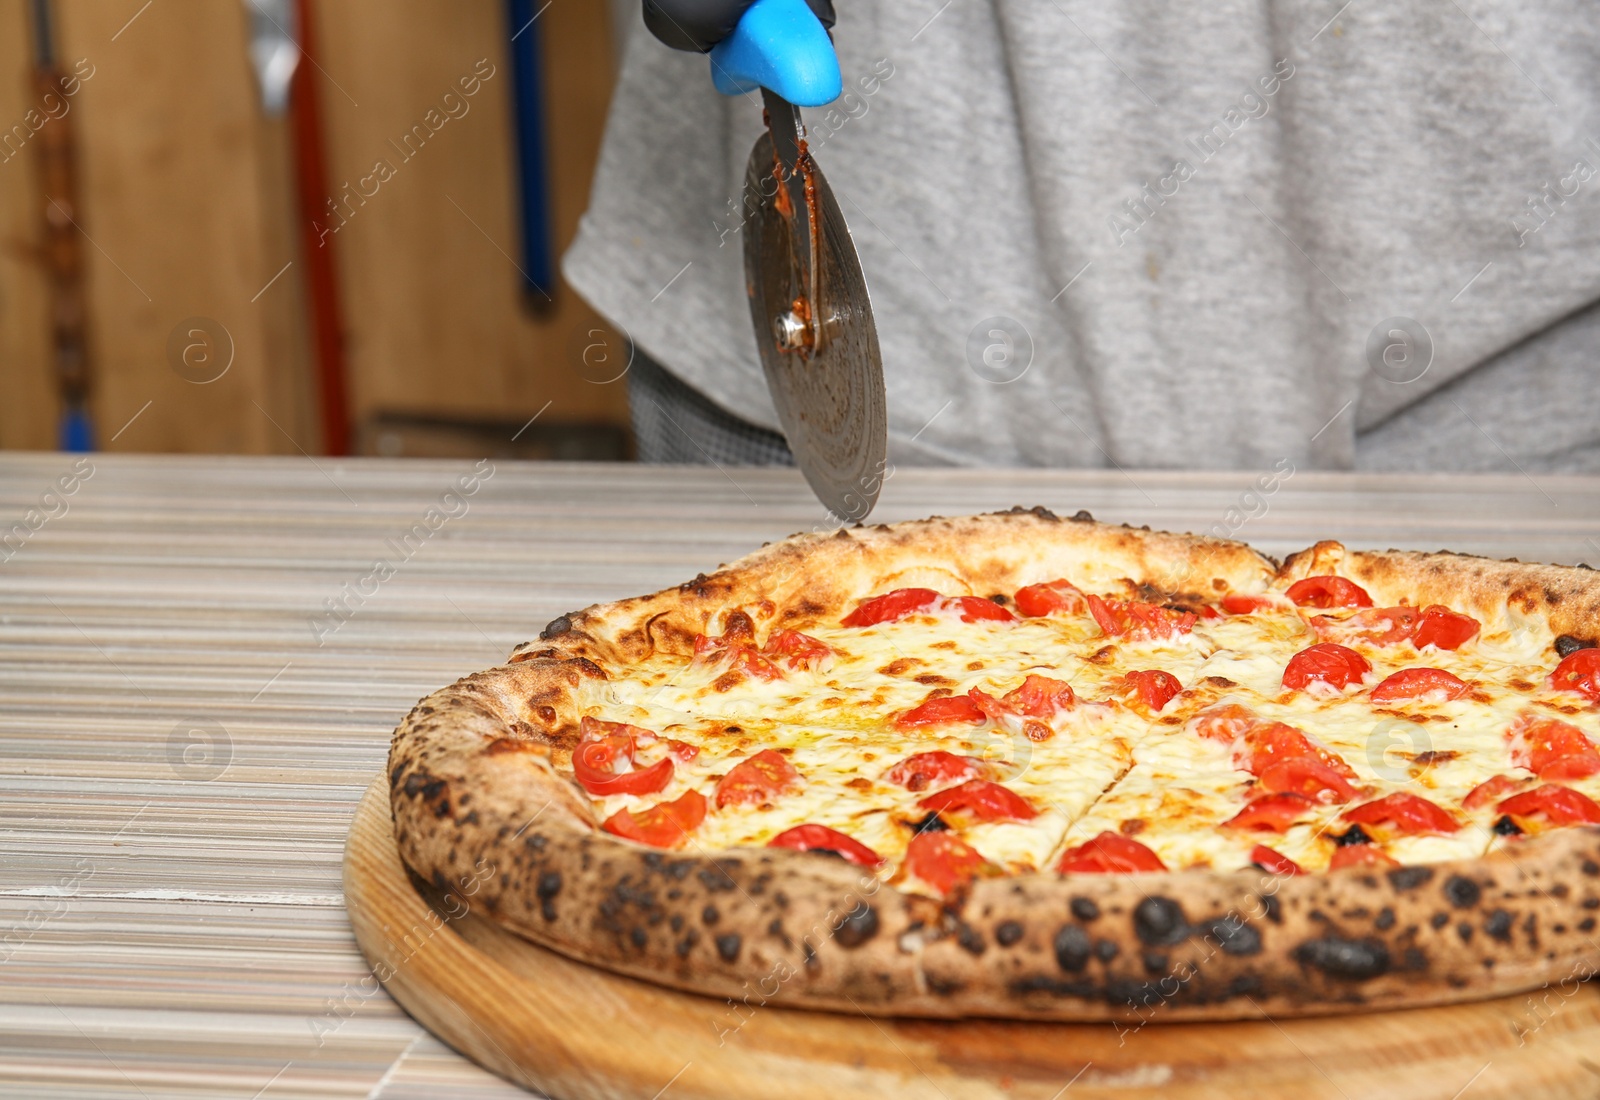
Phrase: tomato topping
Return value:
(756, 779)
(1551, 748)
(682, 749)
(664, 825)
(907, 601)
(736, 647)
(1325, 663)
(1226, 722)
(974, 608)
(945, 710)
(1556, 804)
(1050, 597)
(1327, 591)
(1139, 622)
(797, 650)
(1405, 812)
(1443, 629)
(1111, 854)
(1237, 603)
(942, 860)
(1274, 812)
(820, 838)
(1155, 688)
(894, 605)
(1489, 791)
(1361, 855)
(1271, 743)
(1035, 697)
(1274, 862)
(922, 770)
(1579, 671)
(1306, 776)
(1413, 683)
(981, 799)
(605, 767)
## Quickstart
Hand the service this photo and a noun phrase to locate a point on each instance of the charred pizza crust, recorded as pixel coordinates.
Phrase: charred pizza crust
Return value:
(477, 798)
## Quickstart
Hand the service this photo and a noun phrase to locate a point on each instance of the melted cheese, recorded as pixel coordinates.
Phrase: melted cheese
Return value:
(1106, 765)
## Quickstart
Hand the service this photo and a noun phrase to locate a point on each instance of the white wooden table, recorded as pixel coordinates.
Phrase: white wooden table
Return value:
(181, 750)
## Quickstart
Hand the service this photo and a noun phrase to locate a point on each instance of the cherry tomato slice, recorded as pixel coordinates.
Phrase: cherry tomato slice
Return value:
(1406, 813)
(756, 779)
(1273, 812)
(820, 838)
(1139, 622)
(982, 800)
(1325, 663)
(664, 825)
(1413, 683)
(598, 766)
(974, 608)
(1579, 671)
(1327, 591)
(1490, 791)
(942, 860)
(1377, 625)
(1551, 748)
(1237, 603)
(1109, 854)
(740, 655)
(1361, 855)
(1442, 628)
(1308, 777)
(796, 650)
(1050, 597)
(1155, 688)
(922, 770)
(1035, 697)
(891, 606)
(1226, 722)
(943, 711)
(1554, 803)
(1274, 862)
(1267, 744)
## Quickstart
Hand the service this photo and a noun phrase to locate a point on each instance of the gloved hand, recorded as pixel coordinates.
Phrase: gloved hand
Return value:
(780, 45)
(698, 25)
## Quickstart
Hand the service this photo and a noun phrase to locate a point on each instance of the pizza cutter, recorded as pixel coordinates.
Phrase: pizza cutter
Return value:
(808, 298)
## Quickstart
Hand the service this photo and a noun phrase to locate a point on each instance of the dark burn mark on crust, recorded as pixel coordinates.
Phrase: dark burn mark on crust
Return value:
(728, 946)
(1072, 948)
(1106, 950)
(1085, 909)
(556, 627)
(1385, 919)
(549, 886)
(1160, 922)
(1497, 926)
(1007, 933)
(639, 937)
(1409, 878)
(1464, 930)
(1274, 908)
(970, 939)
(930, 823)
(1346, 959)
(709, 915)
(1155, 962)
(1462, 892)
(1439, 920)
(1353, 835)
(1506, 827)
(1568, 644)
(1234, 936)
(859, 926)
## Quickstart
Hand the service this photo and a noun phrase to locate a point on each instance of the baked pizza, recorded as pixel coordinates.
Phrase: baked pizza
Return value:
(1025, 766)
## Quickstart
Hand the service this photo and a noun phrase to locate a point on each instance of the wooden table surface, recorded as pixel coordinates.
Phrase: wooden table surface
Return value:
(185, 730)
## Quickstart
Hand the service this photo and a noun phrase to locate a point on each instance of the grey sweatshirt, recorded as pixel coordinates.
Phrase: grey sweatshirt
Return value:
(1147, 234)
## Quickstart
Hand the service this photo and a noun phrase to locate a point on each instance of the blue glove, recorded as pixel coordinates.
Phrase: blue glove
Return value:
(782, 45)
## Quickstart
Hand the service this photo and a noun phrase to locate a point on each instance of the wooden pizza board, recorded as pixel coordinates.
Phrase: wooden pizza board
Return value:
(576, 1032)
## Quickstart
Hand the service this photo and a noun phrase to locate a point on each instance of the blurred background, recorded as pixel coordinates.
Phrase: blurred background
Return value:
(329, 226)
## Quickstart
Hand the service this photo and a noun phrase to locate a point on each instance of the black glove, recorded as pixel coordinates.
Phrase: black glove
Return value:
(698, 25)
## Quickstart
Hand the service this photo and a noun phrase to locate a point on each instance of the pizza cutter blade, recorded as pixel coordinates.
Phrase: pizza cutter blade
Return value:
(813, 320)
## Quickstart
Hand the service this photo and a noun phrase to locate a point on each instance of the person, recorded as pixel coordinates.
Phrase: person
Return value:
(1143, 235)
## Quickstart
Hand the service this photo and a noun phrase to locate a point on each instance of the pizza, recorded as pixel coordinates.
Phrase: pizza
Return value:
(1027, 766)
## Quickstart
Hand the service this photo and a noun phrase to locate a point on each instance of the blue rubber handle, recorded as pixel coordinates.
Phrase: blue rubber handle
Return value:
(779, 45)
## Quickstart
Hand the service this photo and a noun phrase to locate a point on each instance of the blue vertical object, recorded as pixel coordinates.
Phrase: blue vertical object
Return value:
(77, 434)
(527, 119)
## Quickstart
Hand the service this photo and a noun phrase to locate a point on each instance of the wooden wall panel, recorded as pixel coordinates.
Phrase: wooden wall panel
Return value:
(27, 383)
(435, 317)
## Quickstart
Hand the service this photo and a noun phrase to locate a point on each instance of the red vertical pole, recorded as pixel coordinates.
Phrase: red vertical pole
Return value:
(317, 226)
